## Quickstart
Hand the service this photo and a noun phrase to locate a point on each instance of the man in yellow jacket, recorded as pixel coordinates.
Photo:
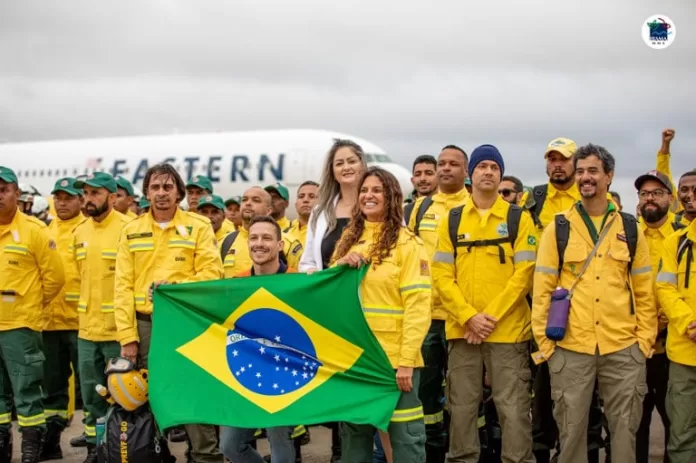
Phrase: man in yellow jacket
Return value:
(94, 244)
(163, 246)
(212, 207)
(32, 276)
(60, 328)
(676, 290)
(451, 173)
(482, 271)
(612, 322)
(304, 204)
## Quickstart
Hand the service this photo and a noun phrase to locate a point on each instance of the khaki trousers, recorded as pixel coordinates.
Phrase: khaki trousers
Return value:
(622, 386)
(508, 368)
(681, 409)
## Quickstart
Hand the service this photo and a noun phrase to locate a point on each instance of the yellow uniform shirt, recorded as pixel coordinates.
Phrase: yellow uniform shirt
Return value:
(131, 215)
(225, 229)
(656, 239)
(184, 250)
(663, 165)
(284, 223)
(237, 258)
(95, 254)
(31, 272)
(603, 311)
(396, 296)
(678, 301)
(61, 313)
(292, 249)
(427, 231)
(477, 282)
(298, 232)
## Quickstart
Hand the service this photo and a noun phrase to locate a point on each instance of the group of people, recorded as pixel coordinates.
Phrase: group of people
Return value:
(467, 278)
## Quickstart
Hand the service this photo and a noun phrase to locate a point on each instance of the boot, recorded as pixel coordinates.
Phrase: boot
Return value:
(79, 441)
(51, 448)
(6, 447)
(91, 454)
(177, 435)
(32, 442)
(542, 456)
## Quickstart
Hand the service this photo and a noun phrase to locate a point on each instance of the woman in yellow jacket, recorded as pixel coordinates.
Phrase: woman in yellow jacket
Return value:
(396, 297)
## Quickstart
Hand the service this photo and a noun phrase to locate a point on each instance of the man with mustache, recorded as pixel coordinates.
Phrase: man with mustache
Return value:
(424, 181)
(280, 197)
(95, 241)
(305, 202)
(32, 277)
(654, 200)
(612, 320)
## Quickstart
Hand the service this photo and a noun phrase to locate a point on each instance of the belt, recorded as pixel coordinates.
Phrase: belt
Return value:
(143, 317)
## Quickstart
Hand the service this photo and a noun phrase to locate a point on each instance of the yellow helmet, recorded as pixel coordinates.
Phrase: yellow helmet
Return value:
(127, 386)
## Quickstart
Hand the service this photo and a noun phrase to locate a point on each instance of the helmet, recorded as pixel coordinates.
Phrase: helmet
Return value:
(40, 205)
(127, 386)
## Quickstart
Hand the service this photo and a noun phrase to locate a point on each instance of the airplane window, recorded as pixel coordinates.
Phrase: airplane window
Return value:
(377, 158)
(65, 172)
(369, 158)
(74, 172)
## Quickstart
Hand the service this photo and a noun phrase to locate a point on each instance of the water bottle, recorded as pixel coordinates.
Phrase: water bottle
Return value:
(558, 314)
(101, 425)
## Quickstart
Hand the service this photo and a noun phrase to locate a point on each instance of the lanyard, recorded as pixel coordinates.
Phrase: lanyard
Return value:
(594, 233)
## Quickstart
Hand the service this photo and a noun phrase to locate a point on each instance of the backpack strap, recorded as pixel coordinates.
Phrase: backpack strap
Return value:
(562, 237)
(677, 225)
(685, 246)
(453, 221)
(422, 209)
(630, 225)
(227, 244)
(539, 193)
(513, 223)
(408, 210)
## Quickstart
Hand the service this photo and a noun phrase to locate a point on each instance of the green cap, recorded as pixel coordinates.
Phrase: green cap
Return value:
(98, 180)
(234, 199)
(67, 185)
(281, 189)
(211, 200)
(467, 181)
(143, 203)
(7, 175)
(201, 181)
(121, 182)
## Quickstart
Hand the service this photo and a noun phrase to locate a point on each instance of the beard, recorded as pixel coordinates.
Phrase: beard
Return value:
(653, 215)
(559, 178)
(95, 211)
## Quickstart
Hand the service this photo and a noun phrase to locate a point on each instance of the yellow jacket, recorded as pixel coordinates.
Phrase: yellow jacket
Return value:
(31, 272)
(557, 201)
(284, 223)
(678, 302)
(131, 215)
(95, 254)
(396, 296)
(292, 249)
(656, 238)
(226, 228)
(237, 258)
(603, 312)
(298, 232)
(663, 165)
(427, 230)
(184, 251)
(476, 282)
(61, 313)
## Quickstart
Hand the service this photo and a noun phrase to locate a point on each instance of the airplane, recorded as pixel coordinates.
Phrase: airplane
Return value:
(234, 161)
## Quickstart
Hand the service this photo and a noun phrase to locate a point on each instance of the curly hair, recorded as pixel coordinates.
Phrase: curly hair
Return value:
(393, 219)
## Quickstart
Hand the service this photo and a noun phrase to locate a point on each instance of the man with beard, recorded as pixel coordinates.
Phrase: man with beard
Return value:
(280, 197)
(95, 241)
(32, 276)
(428, 212)
(511, 189)
(125, 197)
(612, 320)
(424, 180)
(654, 200)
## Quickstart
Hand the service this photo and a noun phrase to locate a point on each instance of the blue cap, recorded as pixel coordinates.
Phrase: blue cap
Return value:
(486, 153)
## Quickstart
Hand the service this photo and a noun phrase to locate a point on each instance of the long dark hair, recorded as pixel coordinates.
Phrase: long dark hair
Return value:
(170, 171)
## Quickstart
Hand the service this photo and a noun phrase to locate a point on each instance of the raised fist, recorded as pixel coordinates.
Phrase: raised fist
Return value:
(667, 135)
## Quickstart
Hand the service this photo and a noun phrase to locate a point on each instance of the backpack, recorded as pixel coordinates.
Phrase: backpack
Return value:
(685, 246)
(422, 209)
(513, 226)
(229, 241)
(677, 225)
(133, 436)
(538, 197)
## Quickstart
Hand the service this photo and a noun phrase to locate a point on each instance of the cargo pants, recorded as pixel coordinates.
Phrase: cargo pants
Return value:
(22, 364)
(406, 432)
(431, 391)
(622, 386)
(92, 357)
(203, 437)
(508, 368)
(681, 409)
(60, 350)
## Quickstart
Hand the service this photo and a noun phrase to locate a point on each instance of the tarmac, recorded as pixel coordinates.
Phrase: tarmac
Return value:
(317, 451)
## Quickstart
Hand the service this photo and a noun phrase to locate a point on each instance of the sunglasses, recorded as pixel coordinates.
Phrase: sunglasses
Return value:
(506, 192)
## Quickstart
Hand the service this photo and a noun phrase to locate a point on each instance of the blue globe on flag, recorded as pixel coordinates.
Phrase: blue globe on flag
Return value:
(270, 353)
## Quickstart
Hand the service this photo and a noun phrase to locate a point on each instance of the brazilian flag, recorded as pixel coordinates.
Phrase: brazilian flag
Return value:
(271, 350)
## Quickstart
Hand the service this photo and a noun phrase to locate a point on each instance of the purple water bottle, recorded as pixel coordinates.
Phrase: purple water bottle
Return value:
(558, 314)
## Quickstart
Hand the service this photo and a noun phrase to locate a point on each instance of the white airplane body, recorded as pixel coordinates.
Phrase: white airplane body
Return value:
(234, 161)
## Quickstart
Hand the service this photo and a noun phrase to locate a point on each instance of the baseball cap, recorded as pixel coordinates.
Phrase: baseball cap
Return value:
(565, 146)
(201, 181)
(66, 184)
(467, 181)
(7, 175)
(281, 189)
(211, 200)
(654, 175)
(121, 182)
(143, 203)
(98, 180)
(234, 199)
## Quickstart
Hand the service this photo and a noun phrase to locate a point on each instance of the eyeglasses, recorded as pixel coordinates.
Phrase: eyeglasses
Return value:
(659, 193)
(506, 192)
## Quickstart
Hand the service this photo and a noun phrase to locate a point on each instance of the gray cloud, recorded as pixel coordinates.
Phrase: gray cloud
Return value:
(411, 78)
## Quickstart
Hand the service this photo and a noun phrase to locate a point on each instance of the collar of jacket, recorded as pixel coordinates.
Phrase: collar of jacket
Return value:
(282, 269)
(499, 208)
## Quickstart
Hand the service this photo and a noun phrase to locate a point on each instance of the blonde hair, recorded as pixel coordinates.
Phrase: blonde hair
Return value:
(329, 187)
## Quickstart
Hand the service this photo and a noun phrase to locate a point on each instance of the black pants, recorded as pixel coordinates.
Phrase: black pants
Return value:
(657, 376)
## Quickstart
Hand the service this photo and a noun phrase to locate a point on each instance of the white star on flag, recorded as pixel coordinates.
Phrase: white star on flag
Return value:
(258, 375)
(262, 350)
(277, 339)
(235, 353)
(277, 358)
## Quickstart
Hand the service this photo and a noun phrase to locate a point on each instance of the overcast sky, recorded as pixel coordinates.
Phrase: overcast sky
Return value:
(410, 78)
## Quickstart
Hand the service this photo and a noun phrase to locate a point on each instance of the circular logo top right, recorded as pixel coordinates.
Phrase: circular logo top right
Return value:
(658, 31)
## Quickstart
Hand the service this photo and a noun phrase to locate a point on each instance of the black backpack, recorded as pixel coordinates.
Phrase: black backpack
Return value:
(422, 209)
(513, 226)
(133, 436)
(685, 246)
(538, 198)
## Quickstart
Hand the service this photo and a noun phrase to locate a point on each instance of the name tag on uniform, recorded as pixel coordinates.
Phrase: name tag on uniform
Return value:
(134, 236)
(9, 296)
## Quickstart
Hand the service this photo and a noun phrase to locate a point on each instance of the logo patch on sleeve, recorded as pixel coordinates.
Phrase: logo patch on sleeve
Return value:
(424, 268)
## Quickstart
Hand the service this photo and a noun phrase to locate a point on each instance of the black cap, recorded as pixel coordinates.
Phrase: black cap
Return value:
(654, 175)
